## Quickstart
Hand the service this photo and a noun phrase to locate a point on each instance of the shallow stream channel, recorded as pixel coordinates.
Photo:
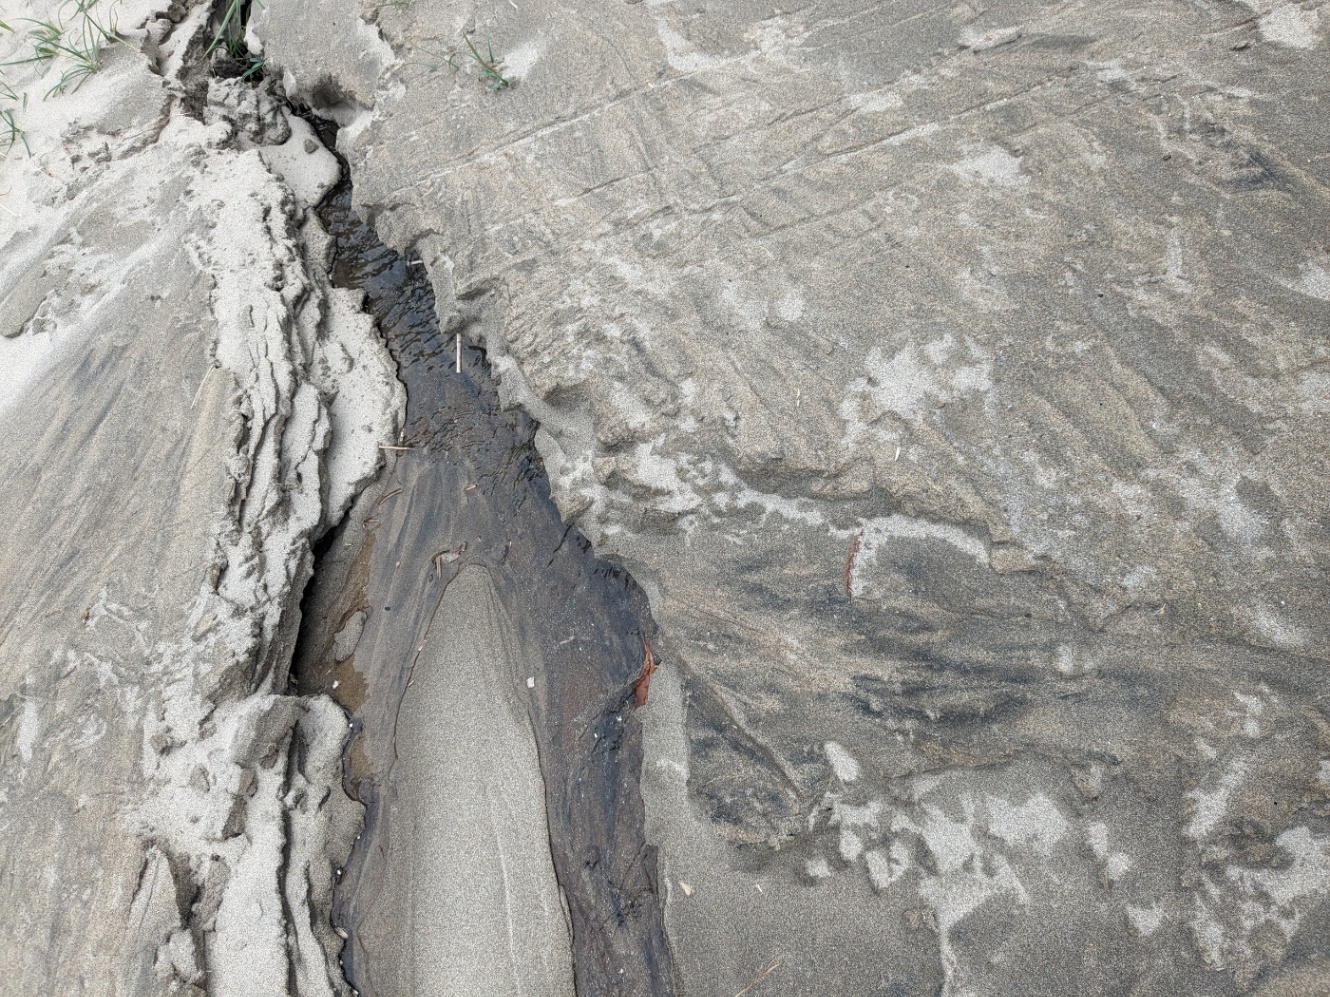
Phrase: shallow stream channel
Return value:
(489, 663)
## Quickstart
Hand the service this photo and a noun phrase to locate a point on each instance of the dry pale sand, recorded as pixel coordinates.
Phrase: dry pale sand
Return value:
(468, 902)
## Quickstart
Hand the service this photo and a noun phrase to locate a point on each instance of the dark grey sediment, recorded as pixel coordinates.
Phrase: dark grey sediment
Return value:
(468, 491)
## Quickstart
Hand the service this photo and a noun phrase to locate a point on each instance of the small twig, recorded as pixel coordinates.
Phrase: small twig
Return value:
(447, 557)
(760, 977)
(458, 337)
(386, 446)
(210, 369)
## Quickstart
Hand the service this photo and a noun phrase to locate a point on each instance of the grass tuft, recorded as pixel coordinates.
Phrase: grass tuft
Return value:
(76, 39)
(231, 32)
(11, 133)
(230, 37)
(489, 67)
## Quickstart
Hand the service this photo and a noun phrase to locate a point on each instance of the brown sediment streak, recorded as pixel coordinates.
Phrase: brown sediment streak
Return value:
(643, 684)
(849, 565)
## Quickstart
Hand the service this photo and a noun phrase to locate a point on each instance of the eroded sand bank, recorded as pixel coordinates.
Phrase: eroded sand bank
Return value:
(185, 403)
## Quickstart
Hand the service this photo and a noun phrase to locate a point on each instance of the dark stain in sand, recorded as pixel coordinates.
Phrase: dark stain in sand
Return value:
(472, 491)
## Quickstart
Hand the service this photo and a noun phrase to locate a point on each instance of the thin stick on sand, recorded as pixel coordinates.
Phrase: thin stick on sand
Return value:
(760, 977)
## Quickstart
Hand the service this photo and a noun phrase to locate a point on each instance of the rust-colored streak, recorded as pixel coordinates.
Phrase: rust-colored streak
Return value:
(849, 565)
(643, 684)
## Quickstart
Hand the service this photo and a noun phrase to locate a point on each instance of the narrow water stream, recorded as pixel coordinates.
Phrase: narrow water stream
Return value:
(488, 661)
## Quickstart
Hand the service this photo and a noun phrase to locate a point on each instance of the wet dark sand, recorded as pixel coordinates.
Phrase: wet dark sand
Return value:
(489, 637)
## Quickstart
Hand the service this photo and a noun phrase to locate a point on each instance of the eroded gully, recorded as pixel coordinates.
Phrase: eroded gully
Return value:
(473, 636)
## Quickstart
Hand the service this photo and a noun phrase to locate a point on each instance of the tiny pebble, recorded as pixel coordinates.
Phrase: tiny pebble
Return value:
(530, 681)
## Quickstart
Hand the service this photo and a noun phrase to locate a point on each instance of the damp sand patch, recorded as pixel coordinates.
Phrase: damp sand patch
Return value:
(489, 663)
